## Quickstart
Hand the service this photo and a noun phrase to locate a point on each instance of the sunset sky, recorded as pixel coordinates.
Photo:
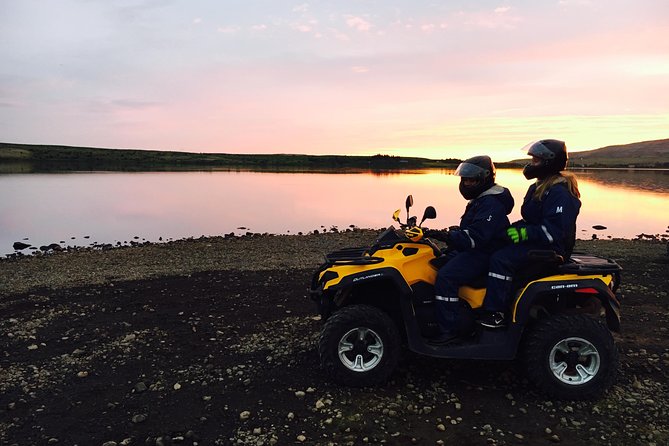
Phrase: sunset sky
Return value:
(436, 79)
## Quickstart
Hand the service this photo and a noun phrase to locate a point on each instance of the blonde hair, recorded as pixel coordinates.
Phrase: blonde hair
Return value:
(547, 183)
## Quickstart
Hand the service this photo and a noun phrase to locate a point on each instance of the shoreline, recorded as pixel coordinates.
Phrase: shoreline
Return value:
(82, 266)
(29, 250)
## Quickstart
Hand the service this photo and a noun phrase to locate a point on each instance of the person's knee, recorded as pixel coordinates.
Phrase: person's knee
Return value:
(447, 275)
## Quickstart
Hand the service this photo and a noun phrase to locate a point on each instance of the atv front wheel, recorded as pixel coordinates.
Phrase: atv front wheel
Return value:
(359, 346)
(571, 357)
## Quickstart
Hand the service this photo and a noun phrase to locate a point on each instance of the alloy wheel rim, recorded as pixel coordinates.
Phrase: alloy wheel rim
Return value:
(574, 361)
(360, 349)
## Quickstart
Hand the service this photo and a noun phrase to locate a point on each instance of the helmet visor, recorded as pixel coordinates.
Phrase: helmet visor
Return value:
(539, 150)
(468, 170)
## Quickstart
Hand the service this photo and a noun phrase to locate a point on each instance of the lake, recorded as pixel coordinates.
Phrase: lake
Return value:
(85, 208)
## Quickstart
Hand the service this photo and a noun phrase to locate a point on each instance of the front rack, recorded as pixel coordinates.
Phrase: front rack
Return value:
(351, 256)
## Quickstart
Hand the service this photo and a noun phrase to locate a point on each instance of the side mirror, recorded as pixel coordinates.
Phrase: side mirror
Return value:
(430, 212)
(409, 203)
(396, 215)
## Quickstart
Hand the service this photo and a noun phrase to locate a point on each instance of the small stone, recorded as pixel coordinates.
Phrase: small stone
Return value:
(441, 427)
(519, 436)
(245, 415)
(139, 418)
(109, 443)
(301, 438)
(82, 374)
(177, 386)
(140, 387)
(32, 347)
(300, 394)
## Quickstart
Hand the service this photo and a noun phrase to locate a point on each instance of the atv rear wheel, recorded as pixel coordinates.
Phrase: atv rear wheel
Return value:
(359, 346)
(571, 357)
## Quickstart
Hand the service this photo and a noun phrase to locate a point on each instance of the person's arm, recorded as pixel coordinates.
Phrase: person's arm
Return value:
(558, 215)
(489, 220)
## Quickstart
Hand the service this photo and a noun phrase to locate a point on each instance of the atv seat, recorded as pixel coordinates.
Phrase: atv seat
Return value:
(542, 263)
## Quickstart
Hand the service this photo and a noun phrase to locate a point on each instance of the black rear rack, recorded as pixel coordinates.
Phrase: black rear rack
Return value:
(580, 263)
(351, 256)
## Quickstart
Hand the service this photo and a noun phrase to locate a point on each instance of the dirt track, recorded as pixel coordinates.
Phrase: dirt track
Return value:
(218, 355)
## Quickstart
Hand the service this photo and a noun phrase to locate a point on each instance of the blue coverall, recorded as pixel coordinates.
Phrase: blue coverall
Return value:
(550, 224)
(482, 230)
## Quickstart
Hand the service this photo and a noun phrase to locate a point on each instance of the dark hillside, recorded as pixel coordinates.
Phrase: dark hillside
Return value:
(28, 157)
(641, 154)
(646, 154)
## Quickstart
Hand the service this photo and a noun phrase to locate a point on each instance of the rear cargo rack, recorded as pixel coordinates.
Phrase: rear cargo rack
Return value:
(351, 256)
(581, 264)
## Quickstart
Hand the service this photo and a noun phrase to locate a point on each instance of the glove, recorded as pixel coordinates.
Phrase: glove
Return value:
(415, 233)
(517, 235)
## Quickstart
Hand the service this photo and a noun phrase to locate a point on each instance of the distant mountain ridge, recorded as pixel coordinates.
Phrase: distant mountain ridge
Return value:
(645, 154)
(34, 158)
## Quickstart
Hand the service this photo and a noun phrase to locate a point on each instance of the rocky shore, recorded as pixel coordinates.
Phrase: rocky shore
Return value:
(211, 341)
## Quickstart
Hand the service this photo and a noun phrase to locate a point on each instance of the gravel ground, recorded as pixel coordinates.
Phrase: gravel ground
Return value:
(211, 341)
(89, 266)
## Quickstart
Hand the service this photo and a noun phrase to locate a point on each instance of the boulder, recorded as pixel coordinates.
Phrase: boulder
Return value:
(18, 246)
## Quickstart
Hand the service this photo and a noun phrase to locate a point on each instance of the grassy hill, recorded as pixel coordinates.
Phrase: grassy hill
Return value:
(645, 154)
(51, 158)
(640, 154)
(31, 158)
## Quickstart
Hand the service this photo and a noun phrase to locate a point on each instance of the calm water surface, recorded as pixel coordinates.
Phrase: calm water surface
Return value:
(111, 207)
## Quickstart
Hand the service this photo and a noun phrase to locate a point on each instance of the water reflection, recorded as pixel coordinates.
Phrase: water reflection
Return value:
(111, 207)
(650, 180)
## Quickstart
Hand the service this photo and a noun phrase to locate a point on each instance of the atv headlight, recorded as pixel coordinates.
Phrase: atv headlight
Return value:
(328, 276)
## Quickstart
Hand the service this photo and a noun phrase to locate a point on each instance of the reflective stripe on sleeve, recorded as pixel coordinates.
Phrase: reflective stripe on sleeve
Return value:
(466, 231)
(548, 235)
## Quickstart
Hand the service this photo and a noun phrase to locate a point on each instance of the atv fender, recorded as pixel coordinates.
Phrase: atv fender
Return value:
(589, 287)
(330, 298)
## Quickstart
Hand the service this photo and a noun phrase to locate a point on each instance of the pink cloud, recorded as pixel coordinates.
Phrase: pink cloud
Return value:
(358, 23)
(500, 18)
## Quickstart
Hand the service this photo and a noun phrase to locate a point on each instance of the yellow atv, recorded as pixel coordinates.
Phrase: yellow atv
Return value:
(374, 298)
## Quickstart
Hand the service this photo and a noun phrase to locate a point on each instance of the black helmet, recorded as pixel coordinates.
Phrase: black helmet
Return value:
(480, 168)
(553, 154)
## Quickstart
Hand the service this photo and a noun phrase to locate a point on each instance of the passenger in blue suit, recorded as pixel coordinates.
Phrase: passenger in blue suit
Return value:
(549, 213)
(481, 231)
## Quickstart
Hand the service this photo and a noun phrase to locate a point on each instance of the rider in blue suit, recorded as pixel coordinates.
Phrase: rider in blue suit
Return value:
(549, 213)
(481, 231)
